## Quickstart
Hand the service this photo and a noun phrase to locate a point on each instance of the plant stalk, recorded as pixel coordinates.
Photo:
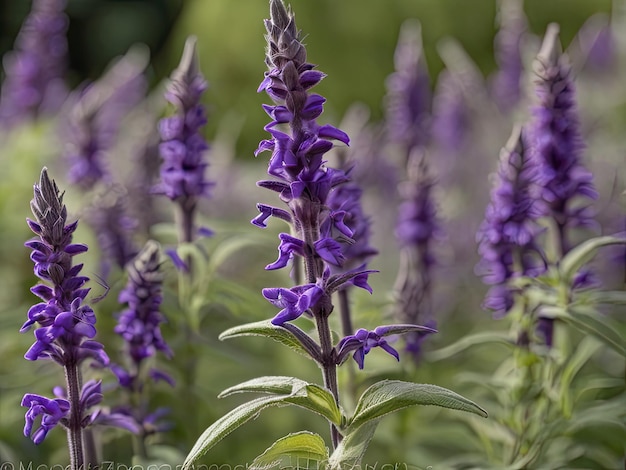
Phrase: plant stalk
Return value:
(74, 429)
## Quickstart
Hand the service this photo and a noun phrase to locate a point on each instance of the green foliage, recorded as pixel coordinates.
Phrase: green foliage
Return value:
(297, 451)
(267, 329)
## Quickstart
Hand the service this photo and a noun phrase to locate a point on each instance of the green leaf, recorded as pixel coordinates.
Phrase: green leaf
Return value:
(387, 396)
(227, 424)
(269, 330)
(280, 385)
(594, 323)
(351, 450)
(301, 393)
(583, 253)
(469, 341)
(584, 350)
(293, 450)
(305, 395)
(606, 297)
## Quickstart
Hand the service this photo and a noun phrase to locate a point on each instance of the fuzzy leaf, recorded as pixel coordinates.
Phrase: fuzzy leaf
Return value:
(292, 450)
(279, 385)
(301, 393)
(269, 330)
(584, 350)
(469, 341)
(351, 450)
(594, 323)
(583, 253)
(387, 396)
(227, 424)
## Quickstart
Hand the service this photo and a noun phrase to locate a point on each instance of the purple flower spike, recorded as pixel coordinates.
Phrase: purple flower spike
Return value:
(92, 122)
(113, 227)
(52, 412)
(556, 142)
(34, 70)
(408, 90)
(506, 84)
(139, 323)
(510, 227)
(67, 324)
(182, 146)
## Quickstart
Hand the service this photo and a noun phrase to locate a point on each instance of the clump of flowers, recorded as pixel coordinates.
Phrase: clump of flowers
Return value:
(35, 68)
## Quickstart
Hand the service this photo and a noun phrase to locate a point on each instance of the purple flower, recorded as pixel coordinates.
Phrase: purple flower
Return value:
(139, 323)
(362, 343)
(556, 142)
(506, 237)
(113, 227)
(92, 122)
(182, 146)
(293, 302)
(450, 113)
(408, 91)
(506, 83)
(66, 323)
(52, 412)
(34, 70)
(417, 230)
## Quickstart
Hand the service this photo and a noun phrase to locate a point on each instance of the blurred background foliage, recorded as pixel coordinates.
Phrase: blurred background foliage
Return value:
(353, 41)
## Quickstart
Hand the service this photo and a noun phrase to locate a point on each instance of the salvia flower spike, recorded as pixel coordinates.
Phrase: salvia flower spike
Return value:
(66, 326)
(34, 70)
(556, 144)
(139, 326)
(182, 147)
(507, 236)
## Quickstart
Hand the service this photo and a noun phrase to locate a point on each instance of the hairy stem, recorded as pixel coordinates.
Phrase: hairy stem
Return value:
(74, 429)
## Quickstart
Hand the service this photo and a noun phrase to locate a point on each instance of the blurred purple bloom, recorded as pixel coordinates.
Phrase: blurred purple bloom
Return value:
(34, 70)
(506, 83)
(417, 215)
(417, 231)
(182, 146)
(598, 43)
(66, 324)
(92, 121)
(450, 113)
(139, 323)
(113, 227)
(408, 91)
(556, 142)
(507, 235)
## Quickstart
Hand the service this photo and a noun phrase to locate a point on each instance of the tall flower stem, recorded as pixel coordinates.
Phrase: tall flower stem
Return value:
(329, 367)
(74, 429)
